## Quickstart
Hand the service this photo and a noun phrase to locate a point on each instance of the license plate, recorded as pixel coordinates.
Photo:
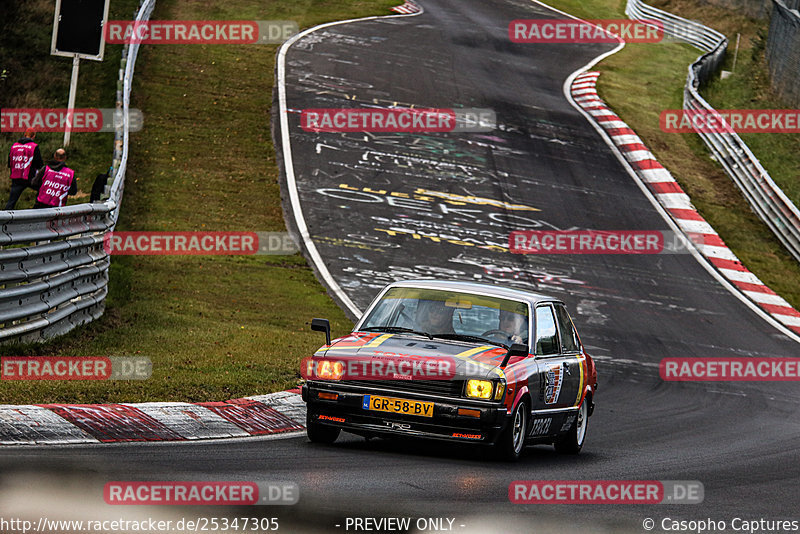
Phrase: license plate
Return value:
(392, 405)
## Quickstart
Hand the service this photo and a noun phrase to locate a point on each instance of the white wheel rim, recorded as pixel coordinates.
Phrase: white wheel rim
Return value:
(519, 428)
(581, 423)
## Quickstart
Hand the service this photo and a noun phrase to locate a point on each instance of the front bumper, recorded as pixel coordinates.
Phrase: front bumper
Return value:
(347, 413)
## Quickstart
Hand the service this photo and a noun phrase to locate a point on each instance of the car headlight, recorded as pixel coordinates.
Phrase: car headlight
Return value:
(326, 369)
(479, 389)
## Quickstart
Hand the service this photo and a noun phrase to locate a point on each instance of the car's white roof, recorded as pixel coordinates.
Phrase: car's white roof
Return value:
(482, 289)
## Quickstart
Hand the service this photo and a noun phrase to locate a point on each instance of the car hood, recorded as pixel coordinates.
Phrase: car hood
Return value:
(472, 359)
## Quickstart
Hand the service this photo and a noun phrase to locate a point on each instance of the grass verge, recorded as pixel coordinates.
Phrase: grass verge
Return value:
(643, 79)
(215, 327)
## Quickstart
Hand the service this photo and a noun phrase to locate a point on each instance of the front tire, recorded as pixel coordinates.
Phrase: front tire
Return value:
(318, 433)
(511, 444)
(572, 441)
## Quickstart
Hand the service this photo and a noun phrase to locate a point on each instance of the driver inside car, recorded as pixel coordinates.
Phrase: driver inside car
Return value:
(515, 326)
(434, 317)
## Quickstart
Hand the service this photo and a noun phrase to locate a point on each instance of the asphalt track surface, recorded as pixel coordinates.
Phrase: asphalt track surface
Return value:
(738, 439)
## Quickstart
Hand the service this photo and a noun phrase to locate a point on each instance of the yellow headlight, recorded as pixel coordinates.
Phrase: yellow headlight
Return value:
(330, 370)
(479, 389)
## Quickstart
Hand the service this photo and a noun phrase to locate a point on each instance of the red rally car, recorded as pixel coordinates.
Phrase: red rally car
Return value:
(455, 361)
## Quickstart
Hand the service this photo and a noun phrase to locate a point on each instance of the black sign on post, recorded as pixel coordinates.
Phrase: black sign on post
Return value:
(78, 29)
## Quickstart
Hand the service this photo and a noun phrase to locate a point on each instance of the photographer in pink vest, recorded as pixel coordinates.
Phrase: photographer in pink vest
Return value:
(54, 182)
(24, 160)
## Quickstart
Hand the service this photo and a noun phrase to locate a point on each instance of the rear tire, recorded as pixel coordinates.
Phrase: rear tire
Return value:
(511, 444)
(572, 441)
(318, 433)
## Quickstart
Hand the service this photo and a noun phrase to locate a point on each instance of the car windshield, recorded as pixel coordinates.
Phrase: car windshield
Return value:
(450, 314)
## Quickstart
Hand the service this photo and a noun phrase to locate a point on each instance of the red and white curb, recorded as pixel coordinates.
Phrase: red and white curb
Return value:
(677, 203)
(409, 8)
(260, 415)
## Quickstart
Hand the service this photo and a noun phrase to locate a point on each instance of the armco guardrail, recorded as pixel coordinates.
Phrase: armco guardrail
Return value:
(54, 276)
(764, 196)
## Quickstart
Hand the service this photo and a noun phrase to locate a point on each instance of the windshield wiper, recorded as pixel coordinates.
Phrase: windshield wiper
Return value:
(467, 337)
(396, 329)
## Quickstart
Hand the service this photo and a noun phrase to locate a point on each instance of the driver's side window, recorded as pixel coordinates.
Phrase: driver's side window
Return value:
(546, 335)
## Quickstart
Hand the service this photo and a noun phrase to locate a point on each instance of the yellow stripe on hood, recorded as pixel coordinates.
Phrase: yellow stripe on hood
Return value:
(372, 344)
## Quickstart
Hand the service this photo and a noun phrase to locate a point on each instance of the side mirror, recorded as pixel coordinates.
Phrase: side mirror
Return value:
(517, 349)
(322, 325)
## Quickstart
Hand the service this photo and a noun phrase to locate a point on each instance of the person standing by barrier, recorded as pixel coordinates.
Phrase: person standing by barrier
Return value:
(54, 182)
(24, 160)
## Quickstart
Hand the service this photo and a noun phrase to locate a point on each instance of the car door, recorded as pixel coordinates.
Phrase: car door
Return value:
(559, 367)
(571, 353)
